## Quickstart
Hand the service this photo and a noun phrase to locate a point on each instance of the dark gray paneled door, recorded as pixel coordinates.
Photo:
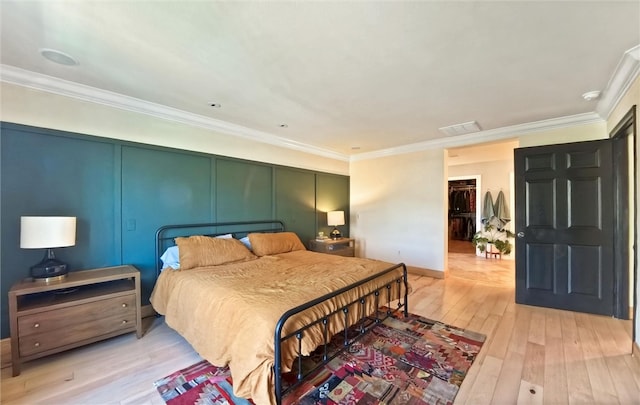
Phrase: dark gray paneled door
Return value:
(565, 226)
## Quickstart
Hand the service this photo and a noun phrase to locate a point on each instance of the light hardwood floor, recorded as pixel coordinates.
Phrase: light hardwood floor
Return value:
(531, 356)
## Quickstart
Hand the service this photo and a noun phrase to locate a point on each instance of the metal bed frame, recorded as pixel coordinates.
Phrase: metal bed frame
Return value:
(354, 329)
(364, 323)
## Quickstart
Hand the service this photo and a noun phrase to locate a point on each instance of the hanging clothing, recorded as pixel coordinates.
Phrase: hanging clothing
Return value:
(459, 201)
(488, 211)
(501, 210)
(470, 229)
(462, 207)
(461, 228)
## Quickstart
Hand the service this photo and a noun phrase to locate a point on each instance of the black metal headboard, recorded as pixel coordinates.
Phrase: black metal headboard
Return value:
(165, 235)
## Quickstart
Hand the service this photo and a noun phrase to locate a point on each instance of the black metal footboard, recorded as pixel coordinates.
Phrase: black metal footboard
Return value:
(363, 322)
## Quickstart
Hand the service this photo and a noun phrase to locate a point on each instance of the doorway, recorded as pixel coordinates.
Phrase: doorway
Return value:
(464, 212)
(490, 165)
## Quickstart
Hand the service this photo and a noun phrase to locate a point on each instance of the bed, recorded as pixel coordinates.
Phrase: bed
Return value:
(259, 309)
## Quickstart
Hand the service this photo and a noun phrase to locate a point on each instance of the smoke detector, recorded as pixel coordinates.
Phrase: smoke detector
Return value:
(591, 95)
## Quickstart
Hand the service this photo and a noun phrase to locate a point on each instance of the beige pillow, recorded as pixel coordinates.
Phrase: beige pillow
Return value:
(264, 244)
(199, 251)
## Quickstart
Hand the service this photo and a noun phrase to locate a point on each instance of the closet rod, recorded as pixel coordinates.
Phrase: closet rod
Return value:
(462, 187)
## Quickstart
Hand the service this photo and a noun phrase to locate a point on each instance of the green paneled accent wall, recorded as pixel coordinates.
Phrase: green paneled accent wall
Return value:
(244, 191)
(295, 201)
(56, 175)
(332, 194)
(160, 187)
(121, 192)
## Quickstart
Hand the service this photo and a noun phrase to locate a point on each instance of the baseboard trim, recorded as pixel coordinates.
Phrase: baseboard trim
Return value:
(635, 351)
(5, 353)
(419, 271)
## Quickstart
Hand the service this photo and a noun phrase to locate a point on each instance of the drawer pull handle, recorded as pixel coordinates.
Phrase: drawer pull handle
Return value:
(124, 305)
(124, 322)
(37, 344)
(36, 325)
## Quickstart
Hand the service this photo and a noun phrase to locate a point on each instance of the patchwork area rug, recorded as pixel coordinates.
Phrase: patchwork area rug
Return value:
(404, 360)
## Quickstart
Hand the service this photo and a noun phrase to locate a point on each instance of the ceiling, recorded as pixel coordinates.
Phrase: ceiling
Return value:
(343, 77)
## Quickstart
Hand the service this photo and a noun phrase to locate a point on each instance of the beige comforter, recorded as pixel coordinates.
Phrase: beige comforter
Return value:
(228, 313)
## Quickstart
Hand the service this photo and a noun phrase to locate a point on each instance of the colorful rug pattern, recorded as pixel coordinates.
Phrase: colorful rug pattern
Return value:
(410, 360)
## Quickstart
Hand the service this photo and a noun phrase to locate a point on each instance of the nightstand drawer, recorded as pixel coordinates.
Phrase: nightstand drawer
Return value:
(338, 247)
(347, 251)
(64, 318)
(41, 342)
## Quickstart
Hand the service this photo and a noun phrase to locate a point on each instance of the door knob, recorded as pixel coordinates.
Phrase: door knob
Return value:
(520, 234)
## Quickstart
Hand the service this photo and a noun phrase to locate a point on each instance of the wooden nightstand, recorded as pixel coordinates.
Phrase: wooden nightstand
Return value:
(340, 247)
(85, 307)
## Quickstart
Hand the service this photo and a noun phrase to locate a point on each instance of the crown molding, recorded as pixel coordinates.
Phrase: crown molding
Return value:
(623, 77)
(497, 134)
(625, 74)
(38, 81)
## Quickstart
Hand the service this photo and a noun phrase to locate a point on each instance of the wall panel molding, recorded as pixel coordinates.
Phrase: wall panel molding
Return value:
(122, 191)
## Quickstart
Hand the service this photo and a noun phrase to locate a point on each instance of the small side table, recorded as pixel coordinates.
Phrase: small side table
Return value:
(340, 247)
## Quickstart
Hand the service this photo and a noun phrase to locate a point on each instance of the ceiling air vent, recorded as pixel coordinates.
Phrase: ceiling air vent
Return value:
(461, 129)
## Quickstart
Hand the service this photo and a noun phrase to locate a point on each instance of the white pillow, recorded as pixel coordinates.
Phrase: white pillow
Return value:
(246, 242)
(171, 256)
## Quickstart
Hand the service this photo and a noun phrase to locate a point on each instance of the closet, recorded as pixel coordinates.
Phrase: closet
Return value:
(462, 209)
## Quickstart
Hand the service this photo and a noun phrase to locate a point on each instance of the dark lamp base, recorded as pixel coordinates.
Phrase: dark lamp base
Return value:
(49, 269)
(335, 234)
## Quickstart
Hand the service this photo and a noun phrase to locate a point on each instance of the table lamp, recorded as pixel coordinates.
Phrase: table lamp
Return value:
(335, 218)
(48, 233)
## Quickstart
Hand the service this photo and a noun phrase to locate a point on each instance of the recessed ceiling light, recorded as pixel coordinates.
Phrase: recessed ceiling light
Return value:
(591, 95)
(58, 57)
(283, 126)
(355, 148)
(215, 105)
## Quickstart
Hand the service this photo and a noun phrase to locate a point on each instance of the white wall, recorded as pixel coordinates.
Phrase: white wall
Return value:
(578, 133)
(26, 106)
(397, 208)
(399, 204)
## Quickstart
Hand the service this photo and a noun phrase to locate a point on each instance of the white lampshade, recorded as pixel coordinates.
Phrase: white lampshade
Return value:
(335, 218)
(47, 232)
